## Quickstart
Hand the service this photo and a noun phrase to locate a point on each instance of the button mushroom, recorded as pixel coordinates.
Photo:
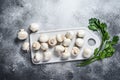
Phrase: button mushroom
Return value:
(81, 33)
(44, 46)
(37, 57)
(69, 35)
(34, 27)
(79, 42)
(59, 49)
(25, 46)
(43, 38)
(65, 54)
(22, 34)
(66, 42)
(52, 41)
(60, 37)
(36, 45)
(75, 51)
(47, 55)
(87, 53)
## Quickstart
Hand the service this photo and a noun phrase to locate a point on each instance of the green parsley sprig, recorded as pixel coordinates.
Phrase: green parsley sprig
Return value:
(106, 48)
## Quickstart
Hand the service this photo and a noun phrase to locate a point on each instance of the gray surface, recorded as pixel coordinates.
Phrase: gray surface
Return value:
(17, 14)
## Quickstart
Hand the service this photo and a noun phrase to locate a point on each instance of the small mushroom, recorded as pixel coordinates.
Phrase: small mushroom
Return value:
(44, 46)
(87, 53)
(25, 46)
(52, 41)
(47, 55)
(59, 49)
(22, 34)
(37, 57)
(65, 54)
(75, 51)
(79, 42)
(34, 27)
(36, 45)
(69, 35)
(60, 37)
(81, 33)
(43, 38)
(66, 42)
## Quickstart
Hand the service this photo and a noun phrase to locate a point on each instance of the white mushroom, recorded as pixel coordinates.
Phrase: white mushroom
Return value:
(65, 54)
(34, 27)
(22, 34)
(43, 38)
(79, 42)
(36, 45)
(66, 42)
(69, 35)
(44, 46)
(37, 57)
(75, 51)
(81, 33)
(60, 37)
(59, 49)
(25, 46)
(87, 53)
(47, 55)
(52, 41)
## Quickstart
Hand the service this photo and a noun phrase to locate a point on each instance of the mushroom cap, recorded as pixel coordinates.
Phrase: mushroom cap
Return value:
(25, 46)
(43, 38)
(75, 51)
(52, 41)
(65, 55)
(66, 42)
(36, 45)
(47, 55)
(22, 34)
(60, 37)
(34, 27)
(59, 49)
(87, 53)
(79, 42)
(44, 46)
(69, 35)
(37, 57)
(81, 33)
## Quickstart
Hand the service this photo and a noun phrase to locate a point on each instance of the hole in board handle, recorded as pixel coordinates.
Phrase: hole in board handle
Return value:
(91, 42)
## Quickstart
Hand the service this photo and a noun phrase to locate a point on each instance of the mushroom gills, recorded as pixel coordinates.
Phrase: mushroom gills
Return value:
(22, 34)
(37, 57)
(52, 41)
(36, 45)
(75, 51)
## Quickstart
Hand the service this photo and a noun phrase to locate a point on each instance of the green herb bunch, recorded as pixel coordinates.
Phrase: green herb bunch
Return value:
(106, 48)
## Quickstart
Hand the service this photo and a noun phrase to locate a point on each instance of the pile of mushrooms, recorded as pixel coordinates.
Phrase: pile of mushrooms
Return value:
(59, 42)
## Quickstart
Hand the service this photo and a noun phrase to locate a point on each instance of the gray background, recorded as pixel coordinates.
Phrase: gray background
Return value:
(50, 14)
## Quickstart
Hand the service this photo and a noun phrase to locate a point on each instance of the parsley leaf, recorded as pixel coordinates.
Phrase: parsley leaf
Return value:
(115, 40)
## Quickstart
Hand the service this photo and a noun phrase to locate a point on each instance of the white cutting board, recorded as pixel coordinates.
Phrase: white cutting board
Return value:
(88, 35)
